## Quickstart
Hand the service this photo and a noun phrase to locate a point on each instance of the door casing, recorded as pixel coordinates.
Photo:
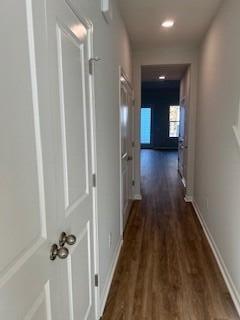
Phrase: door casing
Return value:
(123, 81)
(182, 142)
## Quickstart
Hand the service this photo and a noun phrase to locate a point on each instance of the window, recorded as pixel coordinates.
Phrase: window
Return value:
(146, 115)
(174, 120)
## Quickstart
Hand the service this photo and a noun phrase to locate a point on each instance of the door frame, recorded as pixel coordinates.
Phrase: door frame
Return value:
(185, 145)
(123, 76)
(94, 174)
(92, 104)
(166, 60)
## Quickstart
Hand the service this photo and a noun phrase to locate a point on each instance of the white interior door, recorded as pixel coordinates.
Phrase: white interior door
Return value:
(182, 141)
(71, 108)
(126, 149)
(130, 146)
(46, 163)
(27, 206)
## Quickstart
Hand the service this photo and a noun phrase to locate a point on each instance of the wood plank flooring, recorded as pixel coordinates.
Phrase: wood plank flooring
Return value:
(166, 269)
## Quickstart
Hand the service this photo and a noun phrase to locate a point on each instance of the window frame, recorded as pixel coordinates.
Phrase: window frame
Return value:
(170, 121)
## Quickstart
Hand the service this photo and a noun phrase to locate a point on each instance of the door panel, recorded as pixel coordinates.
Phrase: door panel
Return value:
(46, 162)
(24, 171)
(70, 85)
(41, 308)
(80, 283)
(73, 116)
(21, 164)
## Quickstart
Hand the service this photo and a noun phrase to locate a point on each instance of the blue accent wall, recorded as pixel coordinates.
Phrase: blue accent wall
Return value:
(160, 96)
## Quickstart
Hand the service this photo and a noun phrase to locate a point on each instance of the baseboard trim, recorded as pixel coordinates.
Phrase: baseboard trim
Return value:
(221, 264)
(110, 277)
(137, 197)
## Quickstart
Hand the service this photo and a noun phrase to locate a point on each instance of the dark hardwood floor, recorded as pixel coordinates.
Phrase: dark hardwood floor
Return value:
(166, 269)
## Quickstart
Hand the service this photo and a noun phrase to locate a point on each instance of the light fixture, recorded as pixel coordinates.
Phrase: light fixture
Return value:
(162, 77)
(168, 24)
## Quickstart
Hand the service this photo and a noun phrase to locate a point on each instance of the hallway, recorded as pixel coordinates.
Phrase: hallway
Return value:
(166, 269)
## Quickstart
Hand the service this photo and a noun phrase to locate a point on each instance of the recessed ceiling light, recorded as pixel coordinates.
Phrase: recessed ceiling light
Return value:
(168, 24)
(162, 77)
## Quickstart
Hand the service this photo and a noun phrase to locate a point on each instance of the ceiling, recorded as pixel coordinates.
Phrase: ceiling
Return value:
(143, 20)
(172, 72)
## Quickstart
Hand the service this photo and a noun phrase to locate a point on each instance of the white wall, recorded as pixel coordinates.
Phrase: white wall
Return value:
(185, 86)
(217, 174)
(111, 44)
(159, 56)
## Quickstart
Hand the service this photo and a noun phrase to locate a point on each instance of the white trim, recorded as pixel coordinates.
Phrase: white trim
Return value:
(109, 278)
(106, 8)
(94, 171)
(183, 182)
(236, 132)
(120, 153)
(92, 102)
(123, 80)
(188, 198)
(221, 264)
(137, 197)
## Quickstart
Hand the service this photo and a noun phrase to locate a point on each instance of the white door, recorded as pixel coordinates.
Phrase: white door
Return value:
(182, 141)
(126, 149)
(46, 163)
(130, 145)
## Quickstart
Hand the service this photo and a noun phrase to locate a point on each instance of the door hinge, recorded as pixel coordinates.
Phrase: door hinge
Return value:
(133, 183)
(133, 102)
(94, 180)
(96, 280)
(133, 144)
(91, 64)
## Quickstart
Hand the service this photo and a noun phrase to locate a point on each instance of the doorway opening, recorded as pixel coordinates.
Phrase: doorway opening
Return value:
(165, 98)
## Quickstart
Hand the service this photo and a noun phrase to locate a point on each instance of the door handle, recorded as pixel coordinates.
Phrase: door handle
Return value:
(183, 147)
(69, 239)
(61, 253)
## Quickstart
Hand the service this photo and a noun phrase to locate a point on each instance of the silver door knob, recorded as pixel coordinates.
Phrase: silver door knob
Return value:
(61, 253)
(182, 146)
(69, 239)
